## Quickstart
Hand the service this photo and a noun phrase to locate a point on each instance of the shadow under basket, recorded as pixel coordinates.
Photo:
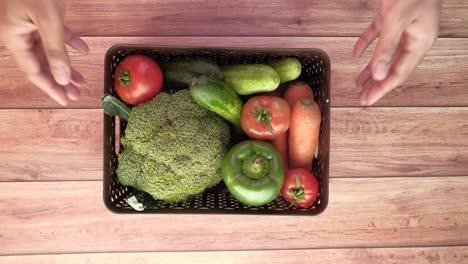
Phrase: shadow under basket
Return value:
(217, 200)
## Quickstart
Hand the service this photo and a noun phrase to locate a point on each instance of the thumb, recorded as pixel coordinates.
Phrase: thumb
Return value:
(388, 43)
(51, 30)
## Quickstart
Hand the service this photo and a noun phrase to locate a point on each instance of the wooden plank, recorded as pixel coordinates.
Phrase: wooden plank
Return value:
(433, 255)
(439, 81)
(239, 17)
(50, 145)
(399, 141)
(42, 145)
(64, 217)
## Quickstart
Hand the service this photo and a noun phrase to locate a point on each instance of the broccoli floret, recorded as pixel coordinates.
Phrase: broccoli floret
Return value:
(130, 167)
(173, 148)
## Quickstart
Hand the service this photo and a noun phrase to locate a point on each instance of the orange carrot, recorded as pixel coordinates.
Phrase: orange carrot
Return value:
(304, 132)
(296, 91)
(281, 145)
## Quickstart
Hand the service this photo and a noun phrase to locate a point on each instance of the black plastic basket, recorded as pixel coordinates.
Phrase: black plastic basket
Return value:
(315, 71)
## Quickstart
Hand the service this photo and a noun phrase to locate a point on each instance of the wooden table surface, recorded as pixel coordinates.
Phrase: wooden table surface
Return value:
(399, 170)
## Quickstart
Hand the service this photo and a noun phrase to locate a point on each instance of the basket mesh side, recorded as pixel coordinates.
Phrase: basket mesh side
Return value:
(218, 199)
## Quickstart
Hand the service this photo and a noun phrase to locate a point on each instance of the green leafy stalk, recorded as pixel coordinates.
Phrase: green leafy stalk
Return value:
(114, 107)
(263, 115)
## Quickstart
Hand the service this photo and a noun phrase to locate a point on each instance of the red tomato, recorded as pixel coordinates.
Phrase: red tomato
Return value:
(138, 79)
(300, 188)
(265, 117)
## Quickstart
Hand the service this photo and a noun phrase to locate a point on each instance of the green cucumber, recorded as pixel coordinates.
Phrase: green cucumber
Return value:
(288, 69)
(178, 73)
(217, 97)
(251, 78)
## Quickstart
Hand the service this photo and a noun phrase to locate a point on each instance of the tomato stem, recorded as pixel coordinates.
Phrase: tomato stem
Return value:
(262, 115)
(125, 79)
(297, 193)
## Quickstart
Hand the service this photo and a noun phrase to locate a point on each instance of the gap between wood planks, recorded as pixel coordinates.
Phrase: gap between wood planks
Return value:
(434, 255)
(461, 247)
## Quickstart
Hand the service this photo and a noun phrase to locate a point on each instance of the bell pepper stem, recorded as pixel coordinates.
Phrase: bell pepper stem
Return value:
(255, 167)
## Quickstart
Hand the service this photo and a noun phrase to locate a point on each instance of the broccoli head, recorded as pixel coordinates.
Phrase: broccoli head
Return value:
(173, 148)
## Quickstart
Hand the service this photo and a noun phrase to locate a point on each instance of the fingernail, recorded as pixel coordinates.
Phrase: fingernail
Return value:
(73, 93)
(363, 102)
(380, 71)
(61, 75)
(77, 81)
(63, 102)
(363, 98)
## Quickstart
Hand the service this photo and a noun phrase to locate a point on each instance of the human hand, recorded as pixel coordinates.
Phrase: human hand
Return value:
(34, 32)
(407, 30)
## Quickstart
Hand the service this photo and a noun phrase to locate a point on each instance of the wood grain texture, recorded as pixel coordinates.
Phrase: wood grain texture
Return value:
(440, 80)
(409, 219)
(399, 141)
(50, 145)
(432, 255)
(239, 17)
(63, 217)
(42, 145)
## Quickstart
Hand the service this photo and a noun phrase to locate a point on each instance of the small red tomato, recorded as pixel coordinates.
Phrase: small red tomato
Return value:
(265, 117)
(300, 188)
(138, 79)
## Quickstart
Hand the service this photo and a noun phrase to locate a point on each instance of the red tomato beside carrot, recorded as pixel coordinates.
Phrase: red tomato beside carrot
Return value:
(265, 117)
(300, 188)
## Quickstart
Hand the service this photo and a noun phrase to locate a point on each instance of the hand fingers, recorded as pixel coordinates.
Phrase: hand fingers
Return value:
(402, 68)
(73, 93)
(45, 81)
(29, 62)
(48, 85)
(369, 85)
(76, 78)
(71, 90)
(34, 64)
(51, 30)
(367, 37)
(365, 75)
(26, 57)
(392, 30)
(75, 41)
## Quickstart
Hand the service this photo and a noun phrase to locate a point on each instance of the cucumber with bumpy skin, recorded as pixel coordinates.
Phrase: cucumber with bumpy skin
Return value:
(217, 97)
(251, 78)
(288, 69)
(178, 73)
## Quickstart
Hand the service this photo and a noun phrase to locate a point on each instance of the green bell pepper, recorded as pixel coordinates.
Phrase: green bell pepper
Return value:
(253, 172)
